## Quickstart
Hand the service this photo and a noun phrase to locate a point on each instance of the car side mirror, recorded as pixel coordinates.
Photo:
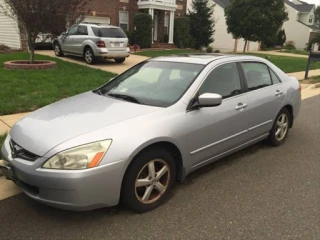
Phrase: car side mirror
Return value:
(209, 100)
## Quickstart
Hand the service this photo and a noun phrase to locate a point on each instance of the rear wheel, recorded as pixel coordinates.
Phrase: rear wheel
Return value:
(120, 60)
(280, 128)
(89, 56)
(57, 50)
(148, 180)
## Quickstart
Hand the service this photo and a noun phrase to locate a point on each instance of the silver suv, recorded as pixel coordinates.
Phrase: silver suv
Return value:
(92, 41)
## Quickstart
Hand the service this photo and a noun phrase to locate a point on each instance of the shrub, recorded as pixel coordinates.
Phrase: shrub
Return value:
(281, 37)
(143, 32)
(216, 51)
(4, 47)
(130, 37)
(182, 32)
(209, 49)
(270, 41)
(290, 45)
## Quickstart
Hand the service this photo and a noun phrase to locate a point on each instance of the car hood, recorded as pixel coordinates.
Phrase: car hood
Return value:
(54, 124)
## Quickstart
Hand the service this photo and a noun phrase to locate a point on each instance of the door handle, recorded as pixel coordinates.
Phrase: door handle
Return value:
(278, 93)
(241, 106)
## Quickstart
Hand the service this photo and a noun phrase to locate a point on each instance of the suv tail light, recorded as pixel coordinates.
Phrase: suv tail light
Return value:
(101, 44)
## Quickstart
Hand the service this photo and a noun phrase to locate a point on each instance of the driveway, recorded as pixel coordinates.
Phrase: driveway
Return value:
(109, 65)
(261, 192)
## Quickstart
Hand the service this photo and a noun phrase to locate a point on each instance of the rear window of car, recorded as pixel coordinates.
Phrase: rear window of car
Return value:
(109, 32)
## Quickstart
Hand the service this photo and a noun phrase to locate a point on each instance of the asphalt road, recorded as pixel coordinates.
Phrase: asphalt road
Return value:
(259, 193)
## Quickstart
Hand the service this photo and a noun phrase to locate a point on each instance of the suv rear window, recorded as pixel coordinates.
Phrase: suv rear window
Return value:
(109, 32)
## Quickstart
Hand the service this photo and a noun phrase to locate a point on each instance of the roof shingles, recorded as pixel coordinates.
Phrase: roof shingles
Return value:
(303, 7)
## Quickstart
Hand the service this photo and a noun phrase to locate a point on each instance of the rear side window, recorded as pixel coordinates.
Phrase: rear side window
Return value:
(109, 32)
(275, 78)
(257, 74)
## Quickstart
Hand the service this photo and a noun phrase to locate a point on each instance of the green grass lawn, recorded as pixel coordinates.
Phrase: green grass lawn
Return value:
(159, 53)
(315, 79)
(301, 52)
(289, 64)
(28, 90)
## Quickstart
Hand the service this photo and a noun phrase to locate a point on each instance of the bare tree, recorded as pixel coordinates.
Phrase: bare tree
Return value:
(44, 16)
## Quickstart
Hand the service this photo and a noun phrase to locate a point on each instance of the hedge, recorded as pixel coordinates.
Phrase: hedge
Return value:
(182, 32)
(143, 30)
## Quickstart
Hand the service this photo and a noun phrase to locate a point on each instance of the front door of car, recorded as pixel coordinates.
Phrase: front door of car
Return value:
(266, 95)
(215, 130)
(79, 38)
(68, 41)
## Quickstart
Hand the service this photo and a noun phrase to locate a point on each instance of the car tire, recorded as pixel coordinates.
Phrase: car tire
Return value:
(57, 50)
(280, 128)
(89, 56)
(120, 60)
(154, 186)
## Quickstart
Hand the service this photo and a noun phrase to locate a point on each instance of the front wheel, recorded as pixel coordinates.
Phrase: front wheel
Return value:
(57, 50)
(120, 60)
(148, 180)
(280, 128)
(89, 56)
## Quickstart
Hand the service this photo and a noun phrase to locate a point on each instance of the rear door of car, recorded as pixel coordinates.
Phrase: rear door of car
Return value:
(266, 95)
(113, 37)
(216, 130)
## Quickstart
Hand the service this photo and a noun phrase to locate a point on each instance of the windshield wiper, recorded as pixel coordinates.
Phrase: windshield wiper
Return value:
(125, 97)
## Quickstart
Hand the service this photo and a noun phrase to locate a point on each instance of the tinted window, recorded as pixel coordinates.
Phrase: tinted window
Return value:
(223, 80)
(109, 32)
(82, 30)
(275, 78)
(257, 74)
(72, 31)
(154, 83)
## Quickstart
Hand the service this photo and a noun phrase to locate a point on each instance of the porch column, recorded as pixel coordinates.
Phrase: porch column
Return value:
(171, 27)
(151, 12)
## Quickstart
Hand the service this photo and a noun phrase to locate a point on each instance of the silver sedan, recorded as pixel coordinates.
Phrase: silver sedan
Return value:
(132, 138)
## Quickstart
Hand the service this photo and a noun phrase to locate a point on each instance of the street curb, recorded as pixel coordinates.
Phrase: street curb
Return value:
(316, 85)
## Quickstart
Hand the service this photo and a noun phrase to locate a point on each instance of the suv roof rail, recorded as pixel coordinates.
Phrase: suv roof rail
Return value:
(93, 23)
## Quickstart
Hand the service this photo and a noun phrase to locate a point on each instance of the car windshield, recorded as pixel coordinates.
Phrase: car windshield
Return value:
(109, 32)
(153, 83)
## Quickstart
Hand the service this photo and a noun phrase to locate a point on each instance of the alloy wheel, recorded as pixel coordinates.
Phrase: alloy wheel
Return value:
(88, 56)
(282, 127)
(152, 181)
(57, 49)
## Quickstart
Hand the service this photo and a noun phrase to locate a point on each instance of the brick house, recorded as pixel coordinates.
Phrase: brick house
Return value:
(114, 12)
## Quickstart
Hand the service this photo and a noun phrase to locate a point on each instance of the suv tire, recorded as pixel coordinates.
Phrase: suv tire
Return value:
(120, 60)
(89, 56)
(57, 50)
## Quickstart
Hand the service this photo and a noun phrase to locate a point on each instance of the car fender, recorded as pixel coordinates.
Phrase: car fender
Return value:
(89, 43)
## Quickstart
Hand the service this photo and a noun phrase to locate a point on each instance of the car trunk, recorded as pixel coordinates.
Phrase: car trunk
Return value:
(113, 37)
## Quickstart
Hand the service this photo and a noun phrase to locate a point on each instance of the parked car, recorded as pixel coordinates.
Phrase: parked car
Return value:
(92, 41)
(44, 40)
(132, 138)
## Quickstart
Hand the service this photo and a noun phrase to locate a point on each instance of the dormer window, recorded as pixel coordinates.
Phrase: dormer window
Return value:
(311, 19)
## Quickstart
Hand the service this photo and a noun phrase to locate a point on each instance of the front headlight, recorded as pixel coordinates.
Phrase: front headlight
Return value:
(82, 157)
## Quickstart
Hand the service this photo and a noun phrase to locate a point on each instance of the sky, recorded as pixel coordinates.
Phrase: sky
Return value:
(317, 2)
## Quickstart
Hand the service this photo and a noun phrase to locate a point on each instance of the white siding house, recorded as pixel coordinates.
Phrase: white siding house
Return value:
(224, 41)
(9, 31)
(300, 26)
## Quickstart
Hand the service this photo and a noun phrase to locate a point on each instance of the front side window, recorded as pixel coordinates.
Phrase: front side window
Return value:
(124, 20)
(82, 30)
(223, 80)
(257, 75)
(153, 83)
(109, 32)
(73, 30)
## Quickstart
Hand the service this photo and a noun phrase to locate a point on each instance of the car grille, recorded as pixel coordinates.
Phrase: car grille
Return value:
(19, 152)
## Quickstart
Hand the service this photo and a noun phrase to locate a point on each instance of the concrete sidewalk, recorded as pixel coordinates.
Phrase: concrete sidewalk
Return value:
(281, 54)
(300, 75)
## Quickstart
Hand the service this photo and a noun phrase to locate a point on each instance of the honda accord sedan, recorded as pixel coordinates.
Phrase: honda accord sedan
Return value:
(131, 139)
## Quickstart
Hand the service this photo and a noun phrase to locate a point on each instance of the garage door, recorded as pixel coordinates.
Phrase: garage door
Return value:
(9, 31)
(91, 19)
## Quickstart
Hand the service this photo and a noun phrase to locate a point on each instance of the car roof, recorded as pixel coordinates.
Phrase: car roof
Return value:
(98, 25)
(203, 58)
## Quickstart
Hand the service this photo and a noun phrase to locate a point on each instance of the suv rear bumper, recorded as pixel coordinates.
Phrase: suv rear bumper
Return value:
(105, 53)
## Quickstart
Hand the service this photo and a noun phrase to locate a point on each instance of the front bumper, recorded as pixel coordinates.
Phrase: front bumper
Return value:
(77, 190)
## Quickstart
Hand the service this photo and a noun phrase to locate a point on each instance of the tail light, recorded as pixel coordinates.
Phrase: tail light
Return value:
(101, 44)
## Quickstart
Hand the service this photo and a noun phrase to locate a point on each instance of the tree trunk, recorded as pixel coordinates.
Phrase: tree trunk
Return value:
(245, 45)
(31, 45)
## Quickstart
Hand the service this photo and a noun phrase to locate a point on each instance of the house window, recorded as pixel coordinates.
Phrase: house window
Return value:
(166, 24)
(311, 19)
(124, 20)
